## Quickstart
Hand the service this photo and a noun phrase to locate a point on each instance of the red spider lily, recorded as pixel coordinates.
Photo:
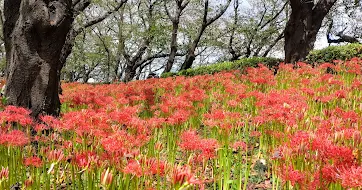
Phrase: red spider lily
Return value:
(192, 142)
(4, 173)
(87, 160)
(294, 176)
(286, 107)
(40, 127)
(353, 66)
(16, 114)
(183, 174)
(153, 166)
(329, 174)
(121, 141)
(356, 84)
(178, 117)
(340, 94)
(133, 167)
(33, 161)
(260, 75)
(55, 155)
(233, 103)
(255, 134)
(328, 151)
(144, 167)
(223, 119)
(351, 177)
(14, 138)
(240, 145)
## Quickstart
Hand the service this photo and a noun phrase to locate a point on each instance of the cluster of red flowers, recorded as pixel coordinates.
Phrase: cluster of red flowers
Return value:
(304, 121)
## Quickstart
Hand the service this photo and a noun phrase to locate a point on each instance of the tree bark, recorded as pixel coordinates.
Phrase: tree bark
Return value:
(34, 49)
(302, 27)
(11, 14)
(130, 73)
(39, 37)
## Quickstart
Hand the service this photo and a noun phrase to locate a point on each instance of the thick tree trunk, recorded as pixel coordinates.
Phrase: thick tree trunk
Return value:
(33, 53)
(303, 26)
(129, 73)
(11, 13)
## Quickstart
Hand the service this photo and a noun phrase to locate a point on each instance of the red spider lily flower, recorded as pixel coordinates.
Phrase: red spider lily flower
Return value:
(240, 145)
(156, 122)
(255, 134)
(106, 177)
(183, 174)
(351, 177)
(191, 141)
(112, 145)
(179, 117)
(122, 141)
(154, 166)
(356, 84)
(233, 103)
(55, 155)
(33, 161)
(17, 110)
(340, 94)
(260, 75)
(16, 114)
(329, 174)
(86, 160)
(40, 127)
(328, 151)
(133, 167)
(67, 144)
(285, 106)
(14, 138)
(4, 173)
(294, 176)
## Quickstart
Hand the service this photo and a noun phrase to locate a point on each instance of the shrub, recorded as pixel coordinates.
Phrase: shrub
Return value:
(225, 66)
(331, 53)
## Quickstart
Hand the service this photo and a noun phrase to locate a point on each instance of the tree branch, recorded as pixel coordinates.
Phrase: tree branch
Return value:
(217, 16)
(101, 18)
(276, 15)
(79, 6)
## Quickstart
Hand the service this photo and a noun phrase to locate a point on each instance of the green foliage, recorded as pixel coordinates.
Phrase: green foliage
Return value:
(331, 53)
(226, 66)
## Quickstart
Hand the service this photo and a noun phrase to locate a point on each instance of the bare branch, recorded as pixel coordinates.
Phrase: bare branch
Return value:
(275, 16)
(79, 6)
(218, 15)
(101, 18)
(281, 36)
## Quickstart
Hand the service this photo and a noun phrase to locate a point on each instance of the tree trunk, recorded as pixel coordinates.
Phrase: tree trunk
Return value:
(11, 13)
(129, 73)
(190, 58)
(33, 53)
(303, 26)
(171, 58)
